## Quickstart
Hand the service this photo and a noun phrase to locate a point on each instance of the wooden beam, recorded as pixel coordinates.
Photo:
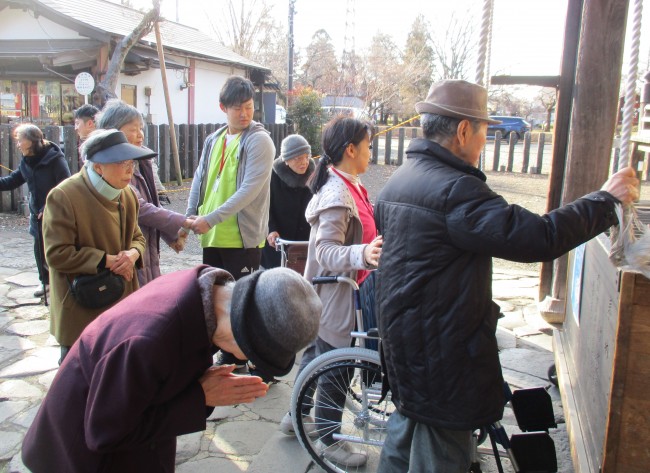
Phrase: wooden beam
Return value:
(542, 81)
(595, 105)
(561, 127)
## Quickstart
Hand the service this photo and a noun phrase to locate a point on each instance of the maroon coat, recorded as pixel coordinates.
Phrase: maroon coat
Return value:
(128, 386)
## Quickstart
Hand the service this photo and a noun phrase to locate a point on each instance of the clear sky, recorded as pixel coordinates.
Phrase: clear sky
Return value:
(526, 40)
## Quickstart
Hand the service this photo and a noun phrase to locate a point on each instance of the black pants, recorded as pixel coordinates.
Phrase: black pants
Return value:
(39, 255)
(239, 262)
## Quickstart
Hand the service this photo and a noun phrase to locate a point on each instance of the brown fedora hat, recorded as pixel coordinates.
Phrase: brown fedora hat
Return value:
(458, 99)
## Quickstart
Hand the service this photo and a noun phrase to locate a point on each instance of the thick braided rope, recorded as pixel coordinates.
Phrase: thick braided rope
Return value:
(630, 88)
(483, 42)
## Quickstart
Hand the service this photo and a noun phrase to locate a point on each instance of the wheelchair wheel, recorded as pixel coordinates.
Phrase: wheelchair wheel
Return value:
(345, 383)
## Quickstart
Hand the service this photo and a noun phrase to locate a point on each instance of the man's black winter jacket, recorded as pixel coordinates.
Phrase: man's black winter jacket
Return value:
(442, 225)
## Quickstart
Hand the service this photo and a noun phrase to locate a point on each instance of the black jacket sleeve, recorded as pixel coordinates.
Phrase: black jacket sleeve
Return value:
(12, 181)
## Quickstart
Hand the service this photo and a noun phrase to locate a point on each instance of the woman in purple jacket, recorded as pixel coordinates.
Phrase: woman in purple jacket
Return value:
(154, 220)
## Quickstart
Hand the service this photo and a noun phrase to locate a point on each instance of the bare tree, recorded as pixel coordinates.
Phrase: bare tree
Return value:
(418, 55)
(453, 49)
(382, 76)
(273, 52)
(548, 98)
(106, 87)
(321, 68)
(241, 27)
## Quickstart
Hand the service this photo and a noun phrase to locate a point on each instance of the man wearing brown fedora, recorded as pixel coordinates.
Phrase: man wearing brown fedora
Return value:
(442, 225)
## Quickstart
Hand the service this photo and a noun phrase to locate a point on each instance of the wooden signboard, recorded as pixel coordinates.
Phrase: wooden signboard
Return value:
(603, 360)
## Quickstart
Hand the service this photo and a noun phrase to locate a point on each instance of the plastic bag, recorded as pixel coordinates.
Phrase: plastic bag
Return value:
(630, 242)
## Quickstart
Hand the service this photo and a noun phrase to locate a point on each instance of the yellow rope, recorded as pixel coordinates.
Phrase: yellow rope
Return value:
(5, 167)
(387, 129)
(396, 126)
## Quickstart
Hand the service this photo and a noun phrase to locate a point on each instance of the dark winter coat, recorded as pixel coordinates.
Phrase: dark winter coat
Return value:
(41, 173)
(128, 387)
(289, 198)
(442, 225)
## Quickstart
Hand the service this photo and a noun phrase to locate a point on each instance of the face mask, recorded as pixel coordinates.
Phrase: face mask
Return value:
(98, 182)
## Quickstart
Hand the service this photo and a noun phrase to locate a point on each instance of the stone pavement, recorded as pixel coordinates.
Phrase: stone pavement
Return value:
(243, 437)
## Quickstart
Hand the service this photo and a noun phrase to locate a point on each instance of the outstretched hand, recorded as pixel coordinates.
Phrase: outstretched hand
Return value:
(223, 388)
(624, 185)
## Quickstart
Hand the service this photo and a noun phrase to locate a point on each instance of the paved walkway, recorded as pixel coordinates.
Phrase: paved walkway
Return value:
(244, 437)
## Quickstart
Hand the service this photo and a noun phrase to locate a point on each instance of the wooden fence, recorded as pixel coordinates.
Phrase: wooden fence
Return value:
(532, 154)
(190, 145)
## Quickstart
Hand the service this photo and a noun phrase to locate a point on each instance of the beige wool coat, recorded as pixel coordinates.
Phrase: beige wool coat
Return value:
(80, 226)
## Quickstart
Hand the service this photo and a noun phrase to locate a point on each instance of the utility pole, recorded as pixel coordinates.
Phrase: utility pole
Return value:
(292, 12)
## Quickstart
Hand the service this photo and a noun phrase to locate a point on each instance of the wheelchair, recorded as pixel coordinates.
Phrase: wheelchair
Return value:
(354, 375)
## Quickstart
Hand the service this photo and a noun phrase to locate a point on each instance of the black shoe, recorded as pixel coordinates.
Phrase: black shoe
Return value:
(164, 199)
(267, 378)
(225, 358)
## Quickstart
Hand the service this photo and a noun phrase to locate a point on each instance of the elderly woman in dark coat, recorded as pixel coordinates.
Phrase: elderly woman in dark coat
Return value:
(154, 220)
(289, 197)
(43, 166)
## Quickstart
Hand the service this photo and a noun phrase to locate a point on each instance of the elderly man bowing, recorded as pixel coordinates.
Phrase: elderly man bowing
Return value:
(141, 373)
(442, 224)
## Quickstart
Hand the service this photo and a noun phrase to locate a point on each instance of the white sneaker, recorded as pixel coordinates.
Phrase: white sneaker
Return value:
(286, 425)
(40, 292)
(343, 454)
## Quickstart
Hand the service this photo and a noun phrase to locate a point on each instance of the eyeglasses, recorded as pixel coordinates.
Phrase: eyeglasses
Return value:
(130, 164)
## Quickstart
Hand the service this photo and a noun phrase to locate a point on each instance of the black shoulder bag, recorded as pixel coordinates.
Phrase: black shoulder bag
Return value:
(96, 291)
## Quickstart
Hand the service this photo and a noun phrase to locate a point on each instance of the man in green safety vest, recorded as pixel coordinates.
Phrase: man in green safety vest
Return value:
(230, 190)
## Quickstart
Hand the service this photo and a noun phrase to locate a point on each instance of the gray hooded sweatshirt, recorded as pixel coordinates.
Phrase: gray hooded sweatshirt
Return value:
(251, 199)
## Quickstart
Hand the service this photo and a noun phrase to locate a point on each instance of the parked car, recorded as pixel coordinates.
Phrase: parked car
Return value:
(358, 113)
(509, 125)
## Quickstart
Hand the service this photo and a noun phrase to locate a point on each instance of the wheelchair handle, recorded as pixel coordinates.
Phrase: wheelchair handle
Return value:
(335, 279)
(324, 280)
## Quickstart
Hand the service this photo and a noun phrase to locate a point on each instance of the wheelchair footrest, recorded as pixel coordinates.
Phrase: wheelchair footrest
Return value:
(534, 452)
(533, 409)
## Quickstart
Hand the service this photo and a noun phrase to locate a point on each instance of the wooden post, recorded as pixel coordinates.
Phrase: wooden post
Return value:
(511, 151)
(526, 159)
(6, 148)
(562, 122)
(170, 119)
(541, 139)
(388, 147)
(593, 119)
(375, 149)
(400, 146)
(497, 150)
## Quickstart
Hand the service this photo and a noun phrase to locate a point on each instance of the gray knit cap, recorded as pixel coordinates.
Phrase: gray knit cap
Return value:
(274, 314)
(294, 146)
